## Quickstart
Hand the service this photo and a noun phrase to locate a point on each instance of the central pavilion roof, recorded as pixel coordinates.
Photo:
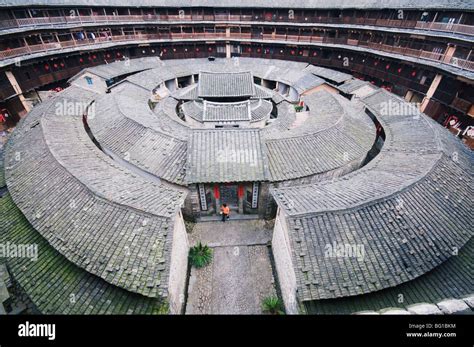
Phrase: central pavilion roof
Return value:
(225, 84)
(225, 156)
(226, 112)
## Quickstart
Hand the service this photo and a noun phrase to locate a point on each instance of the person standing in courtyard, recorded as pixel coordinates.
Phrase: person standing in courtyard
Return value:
(225, 212)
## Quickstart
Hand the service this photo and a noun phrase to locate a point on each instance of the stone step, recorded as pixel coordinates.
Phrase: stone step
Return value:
(233, 216)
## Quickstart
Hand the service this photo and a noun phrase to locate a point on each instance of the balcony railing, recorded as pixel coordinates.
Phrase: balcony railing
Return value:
(16, 52)
(455, 28)
(403, 51)
(464, 64)
(391, 23)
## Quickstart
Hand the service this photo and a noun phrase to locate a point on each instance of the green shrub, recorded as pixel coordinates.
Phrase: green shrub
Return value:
(298, 108)
(200, 255)
(272, 305)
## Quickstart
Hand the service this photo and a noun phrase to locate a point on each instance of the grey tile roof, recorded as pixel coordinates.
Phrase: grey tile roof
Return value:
(288, 74)
(278, 98)
(193, 109)
(258, 66)
(263, 93)
(124, 124)
(228, 84)
(404, 207)
(331, 137)
(153, 77)
(329, 74)
(250, 110)
(150, 79)
(260, 109)
(187, 93)
(47, 279)
(377, 180)
(310, 4)
(307, 82)
(410, 151)
(169, 123)
(150, 140)
(452, 279)
(85, 189)
(225, 156)
(75, 151)
(286, 117)
(348, 141)
(120, 68)
(226, 112)
(403, 237)
(351, 85)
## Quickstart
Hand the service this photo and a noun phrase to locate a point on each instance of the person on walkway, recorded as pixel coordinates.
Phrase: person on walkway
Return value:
(225, 212)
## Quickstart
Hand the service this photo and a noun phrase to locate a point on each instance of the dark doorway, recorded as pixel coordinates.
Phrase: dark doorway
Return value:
(229, 196)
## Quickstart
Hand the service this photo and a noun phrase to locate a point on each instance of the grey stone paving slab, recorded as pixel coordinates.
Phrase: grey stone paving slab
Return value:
(233, 291)
(240, 275)
(231, 233)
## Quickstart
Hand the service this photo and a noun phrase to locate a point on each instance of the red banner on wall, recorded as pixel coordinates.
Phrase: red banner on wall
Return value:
(240, 191)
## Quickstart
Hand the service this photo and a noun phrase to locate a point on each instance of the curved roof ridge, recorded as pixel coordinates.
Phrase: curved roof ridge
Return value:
(409, 239)
(389, 148)
(389, 195)
(50, 138)
(169, 168)
(121, 103)
(86, 206)
(79, 205)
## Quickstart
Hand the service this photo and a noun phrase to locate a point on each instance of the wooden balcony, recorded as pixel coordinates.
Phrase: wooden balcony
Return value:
(405, 51)
(463, 64)
(227, 17)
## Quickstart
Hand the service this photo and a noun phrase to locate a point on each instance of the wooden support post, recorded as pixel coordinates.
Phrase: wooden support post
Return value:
(429, 94)
(11, 78)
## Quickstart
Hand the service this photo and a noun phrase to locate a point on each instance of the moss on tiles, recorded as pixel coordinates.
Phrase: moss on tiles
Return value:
(55, 285)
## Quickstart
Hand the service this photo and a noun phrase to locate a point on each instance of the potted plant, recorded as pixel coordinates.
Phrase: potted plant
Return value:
(200, 255)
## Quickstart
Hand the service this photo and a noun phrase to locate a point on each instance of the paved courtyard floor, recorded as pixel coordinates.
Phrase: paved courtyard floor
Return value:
(240, 275)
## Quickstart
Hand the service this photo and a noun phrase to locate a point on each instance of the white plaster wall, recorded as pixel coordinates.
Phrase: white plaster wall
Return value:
(171, 85)
(282, 88)
(98, 83)
(284, 266)
(293, 95)
(178, 266)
